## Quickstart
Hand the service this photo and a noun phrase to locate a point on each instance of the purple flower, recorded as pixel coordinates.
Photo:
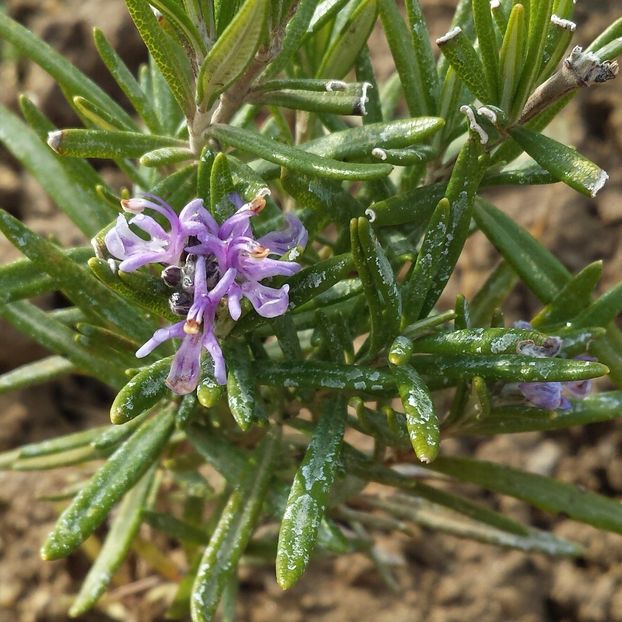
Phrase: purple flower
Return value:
(206, 263)
(549, 395)
(161, 246)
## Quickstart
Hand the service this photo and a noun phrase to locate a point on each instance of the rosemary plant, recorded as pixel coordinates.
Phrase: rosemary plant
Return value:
(270, 277)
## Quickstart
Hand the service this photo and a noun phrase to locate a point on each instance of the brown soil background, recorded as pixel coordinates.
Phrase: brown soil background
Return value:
(442, 579)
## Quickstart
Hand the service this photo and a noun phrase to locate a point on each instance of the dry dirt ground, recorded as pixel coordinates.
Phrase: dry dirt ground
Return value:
(442, 579)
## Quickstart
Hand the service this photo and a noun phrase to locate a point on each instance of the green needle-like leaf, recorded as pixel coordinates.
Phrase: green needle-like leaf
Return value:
(40, 371)
(487, 38)
(80, 143)
(126, 81)
(232, 533)
(309, 494)
(122, 531)
(461, 54)
(293, 158)
(141, 393)
(241, 393)
(561, 161)
(232, 53)
(166, 52)
(122, 470)
(71, 79)
(542, 492)
(340, 56)
(80, 202)
(421, 419)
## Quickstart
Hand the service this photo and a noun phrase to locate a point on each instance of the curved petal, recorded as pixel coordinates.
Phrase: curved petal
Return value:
(546, 395)
(160, 336)
(267, 301)
(213, 347)
(233, 301)
(186, 368)
(293, 235)
(256, 269)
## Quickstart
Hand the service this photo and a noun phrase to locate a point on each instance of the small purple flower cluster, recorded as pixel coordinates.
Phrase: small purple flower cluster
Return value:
(550, 395)
(206, 263)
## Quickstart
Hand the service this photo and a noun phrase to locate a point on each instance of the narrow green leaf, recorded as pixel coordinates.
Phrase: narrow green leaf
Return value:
(495, 290)
(479, 341)
(463, 183)
(120, 473)
(403, 51)
(340, 56)
(543, 492)
(382, 276)
(564, 162)
(539, 21)
(115, 434)
(536, 266)
(141, 393)
(68, 76)
(316, 374)
(166, 52)
(507, 367)
(54, 336)
(309, 494)
(513, 55)
(232, 52)
(487, 38)
(241, 394)
(99, 117)
(165, 156)
(81, 203)
(293, 158)
(423, 53)
(294, 32)
(574, 297)
(221, 184)
(413, 206)
(417, 287)
(461, 54)
(60, 459)
(334, 102)
(41, 371)
(233, 532)
(126, 81)
(115, 548)
(421, 419)
(79, 143)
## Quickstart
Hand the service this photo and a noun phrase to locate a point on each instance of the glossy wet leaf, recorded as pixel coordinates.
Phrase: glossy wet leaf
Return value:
(123, 529)
(232, 533)
(143, 391)
(294, 158)
(118, 475)
(309, 494)
(421, 418)
(543, 492)
(240, 385)
(561, 161)
(78, 143)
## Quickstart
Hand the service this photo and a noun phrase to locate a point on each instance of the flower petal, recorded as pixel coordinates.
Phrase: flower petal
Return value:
(267, 301)
(293, 235)
(160, 336)
(546, 395)
(185, 370)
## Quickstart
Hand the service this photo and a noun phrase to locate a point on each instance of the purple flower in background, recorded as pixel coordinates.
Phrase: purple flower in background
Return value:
(207, 263)
(550, 395)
